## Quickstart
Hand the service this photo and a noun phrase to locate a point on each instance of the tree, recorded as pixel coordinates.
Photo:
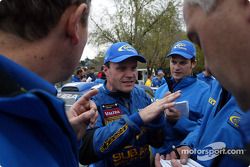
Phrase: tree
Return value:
(151, 26)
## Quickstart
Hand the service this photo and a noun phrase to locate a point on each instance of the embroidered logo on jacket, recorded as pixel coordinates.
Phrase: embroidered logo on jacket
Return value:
(131, 154)
(114, 137)
(111, 112)
(234, 121)
(211, 101)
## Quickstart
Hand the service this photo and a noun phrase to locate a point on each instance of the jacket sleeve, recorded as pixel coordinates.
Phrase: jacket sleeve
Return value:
(154, 130)
(102, 141)
(191, 138)
(185, 125)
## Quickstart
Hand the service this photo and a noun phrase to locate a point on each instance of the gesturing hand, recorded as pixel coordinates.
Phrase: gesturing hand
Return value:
(155, 109)
(82, 113)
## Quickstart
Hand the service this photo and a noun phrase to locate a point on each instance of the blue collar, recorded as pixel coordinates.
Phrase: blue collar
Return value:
(115, 94)
(184, 82)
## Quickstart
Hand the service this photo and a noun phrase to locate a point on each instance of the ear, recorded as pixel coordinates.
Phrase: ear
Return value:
(74, 23)
(193, 64)
(105, 70)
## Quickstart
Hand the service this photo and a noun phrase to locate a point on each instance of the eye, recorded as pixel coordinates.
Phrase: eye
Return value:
(134, 68)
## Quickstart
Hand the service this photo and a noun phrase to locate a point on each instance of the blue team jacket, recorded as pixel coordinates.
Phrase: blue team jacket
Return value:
(120, 136)
(34, 130)
(196, 93)
(219, 129)
(207, 79)
(157, 83)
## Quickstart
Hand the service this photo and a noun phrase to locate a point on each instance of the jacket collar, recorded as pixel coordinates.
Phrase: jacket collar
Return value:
(184, 82)
(115, 94)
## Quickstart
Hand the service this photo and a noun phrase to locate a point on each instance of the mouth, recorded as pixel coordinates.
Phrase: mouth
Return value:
(177, 73)
(128, 82)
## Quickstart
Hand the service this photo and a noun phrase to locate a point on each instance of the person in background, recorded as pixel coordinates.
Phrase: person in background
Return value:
(178, 126)
(127, 123)
(149, 80)
(84, 76)
(206, 76)
(78, 76)
(223, 114)
(159, 79)
(91, 75)
(213, 25)
(101, 77)
(38, 49)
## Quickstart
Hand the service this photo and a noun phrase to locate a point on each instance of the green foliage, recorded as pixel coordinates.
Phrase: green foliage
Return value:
(151, 26)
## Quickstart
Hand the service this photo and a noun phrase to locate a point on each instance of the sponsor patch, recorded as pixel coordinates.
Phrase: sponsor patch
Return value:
(234, 119)
(112, 112)
(211, 101)
(126, 48)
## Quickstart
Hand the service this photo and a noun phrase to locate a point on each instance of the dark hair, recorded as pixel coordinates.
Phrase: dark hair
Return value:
(107, 64)
(79, 71)
(33, 19)
(193, 59)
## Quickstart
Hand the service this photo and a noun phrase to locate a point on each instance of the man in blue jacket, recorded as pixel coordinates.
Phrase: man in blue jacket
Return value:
(158, 80)
(219, 135)
(206, 75)
(178, 126)
(213, 25)
(39, 46)
(128, 123)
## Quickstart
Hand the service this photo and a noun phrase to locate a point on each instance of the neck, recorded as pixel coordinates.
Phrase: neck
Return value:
(31, 55)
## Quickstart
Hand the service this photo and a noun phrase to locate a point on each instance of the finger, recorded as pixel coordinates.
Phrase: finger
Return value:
(174, 163)
(168, 93)
(163, 157)
(171, 97)
(173, 155)
(87, 96)
(94, 118)
(184, 158)
(167, 106)
(93, 105)
(168, 113)
(157, 160)
(168, 157)
(86, 116)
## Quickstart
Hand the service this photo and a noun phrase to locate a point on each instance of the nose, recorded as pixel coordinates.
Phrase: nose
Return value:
(177, 66)
(131, 73)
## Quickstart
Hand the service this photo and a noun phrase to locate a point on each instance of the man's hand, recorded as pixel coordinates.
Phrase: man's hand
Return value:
(172, 114)
(82, 113)
(153, 110)
(183, 152)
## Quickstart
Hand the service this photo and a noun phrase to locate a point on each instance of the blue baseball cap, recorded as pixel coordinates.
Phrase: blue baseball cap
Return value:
(121, 51)
(183, 48)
